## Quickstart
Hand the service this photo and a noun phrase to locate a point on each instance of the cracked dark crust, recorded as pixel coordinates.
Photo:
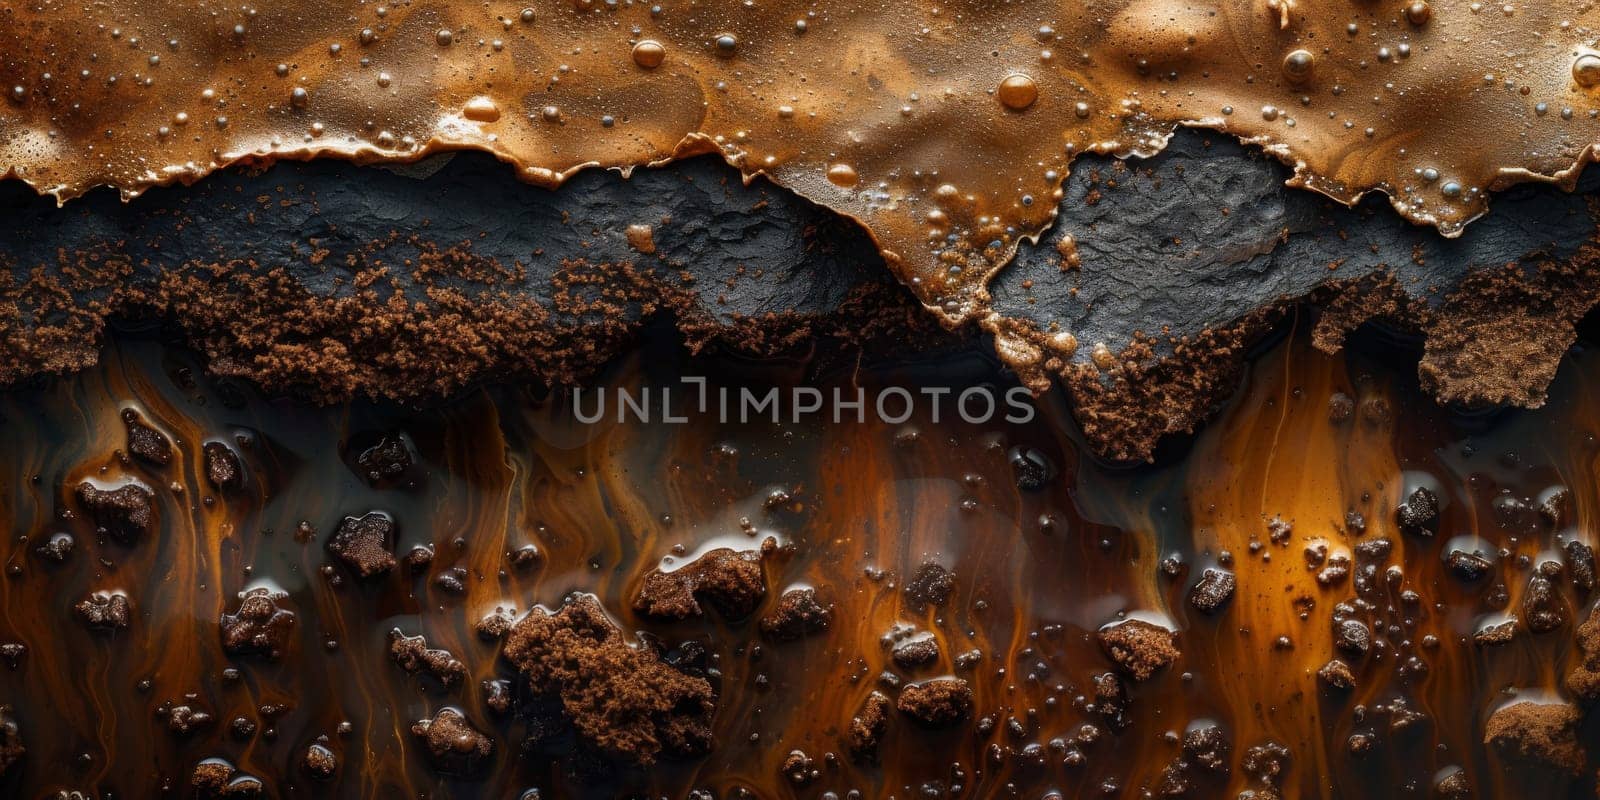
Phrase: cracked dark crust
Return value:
(370, 337)
(1496, 338)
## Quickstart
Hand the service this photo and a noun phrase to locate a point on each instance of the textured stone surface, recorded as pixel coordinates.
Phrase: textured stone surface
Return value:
(406, 280)
(1206, 231)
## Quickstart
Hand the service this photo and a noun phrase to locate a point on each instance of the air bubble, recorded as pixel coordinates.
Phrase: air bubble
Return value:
(1297, 66)
(1017, 91)
(1586, 70)
(649, 54)
(842, 175)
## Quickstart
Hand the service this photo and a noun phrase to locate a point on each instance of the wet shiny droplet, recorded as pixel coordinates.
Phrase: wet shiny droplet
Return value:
(1017, 92)
(842, 175)
(1419, 13)
(1586, 70)
(1297, 66)
(649, 54)
(444, 37)
(727, 43)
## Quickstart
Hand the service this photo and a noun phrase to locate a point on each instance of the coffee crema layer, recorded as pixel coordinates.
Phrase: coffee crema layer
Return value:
(946, 129)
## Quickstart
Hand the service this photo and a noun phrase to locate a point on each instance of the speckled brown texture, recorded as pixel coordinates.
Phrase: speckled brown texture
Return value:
(259, 625)
(1499, 337)
(456, 745)
(365, 543)
(936, 703)
(414, 655)
(125, 513)
(621, 699)
(867, 727)
(1139, 648)
(1495, 339)
(1584, 678)
(365, 335)
(799, 612)
(731, 581)
(1540, 734)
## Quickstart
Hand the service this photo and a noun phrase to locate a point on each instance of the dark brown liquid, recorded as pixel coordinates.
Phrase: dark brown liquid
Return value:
(1037, 573)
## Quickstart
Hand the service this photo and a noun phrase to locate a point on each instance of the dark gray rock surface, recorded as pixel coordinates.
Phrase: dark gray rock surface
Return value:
(1206, 231)
(703, 219)
(1177, 246)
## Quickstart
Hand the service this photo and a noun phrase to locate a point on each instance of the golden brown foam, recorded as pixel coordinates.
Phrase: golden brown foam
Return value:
(946, 128)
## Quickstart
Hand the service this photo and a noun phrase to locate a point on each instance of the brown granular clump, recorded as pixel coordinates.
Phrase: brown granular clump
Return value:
(321, 762)
(916, 652)
(1497, 634)
(867, 728)
(413, 655)
(732, 581)
(799, 613)
(1584, 679)
(106, 611)
(1337, 675)
(1545, 734)
(369, 338)
(931, 585)
(1125, 410)
(222, 466)
(259, 625)
(365, 543)
(1266, 764)
(125, 513)
(1580, 559)
(1213, 591)
(1139, 647)
(493, 625)
(217, 777)
(456, 746)
(144, 442)
(623, 700)
(799, 768)
(937, 703)
(1499, 337)
(211, 775)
